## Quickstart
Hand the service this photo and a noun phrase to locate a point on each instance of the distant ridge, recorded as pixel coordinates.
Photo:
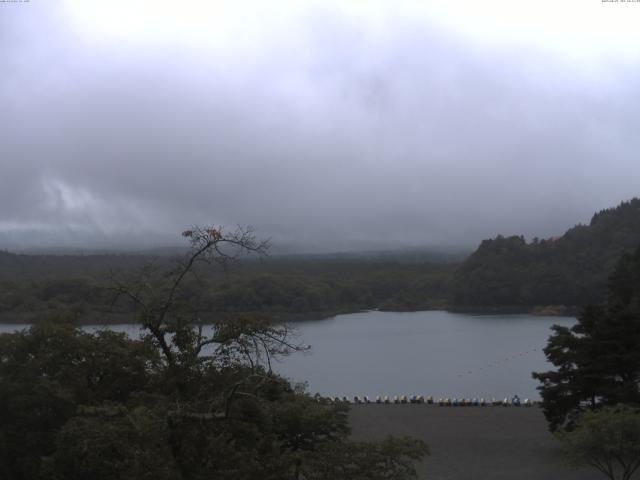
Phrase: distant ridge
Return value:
(406, 255)
(566, 271)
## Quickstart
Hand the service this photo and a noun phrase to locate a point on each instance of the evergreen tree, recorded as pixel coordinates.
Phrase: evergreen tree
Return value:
(598, 359)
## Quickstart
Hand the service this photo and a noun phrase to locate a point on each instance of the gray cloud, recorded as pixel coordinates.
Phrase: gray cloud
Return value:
(328, 137)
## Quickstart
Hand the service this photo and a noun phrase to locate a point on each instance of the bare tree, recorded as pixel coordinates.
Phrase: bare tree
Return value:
(175, 325)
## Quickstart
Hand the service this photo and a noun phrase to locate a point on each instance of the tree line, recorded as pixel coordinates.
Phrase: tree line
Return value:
(570, 270)
(503, 273)
(176, 403)
(282, 289)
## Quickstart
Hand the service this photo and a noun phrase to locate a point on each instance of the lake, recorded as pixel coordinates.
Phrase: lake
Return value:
(424, 353)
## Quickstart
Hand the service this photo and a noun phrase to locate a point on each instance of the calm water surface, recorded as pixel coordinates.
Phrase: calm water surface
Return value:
(429, 353)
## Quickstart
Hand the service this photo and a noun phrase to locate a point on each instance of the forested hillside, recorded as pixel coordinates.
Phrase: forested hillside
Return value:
(504, 273)
(568, 271)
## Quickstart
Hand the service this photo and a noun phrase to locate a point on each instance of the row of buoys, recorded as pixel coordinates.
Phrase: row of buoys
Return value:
(385, 399)
(443, 402)
(506, 402)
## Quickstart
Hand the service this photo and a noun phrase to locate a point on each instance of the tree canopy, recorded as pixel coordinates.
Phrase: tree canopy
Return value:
(597, 360)
(569, 270)
(184, 401)
(607, 440)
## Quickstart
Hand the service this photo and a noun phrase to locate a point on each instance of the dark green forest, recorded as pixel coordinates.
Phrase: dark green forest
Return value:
(287, 288)
(568, 272)
(176, 403)
(597, 360)
(590, 398)
(556, 276)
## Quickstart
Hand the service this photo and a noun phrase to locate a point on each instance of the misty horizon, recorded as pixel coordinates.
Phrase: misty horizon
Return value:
(328, 127)
(169, 245)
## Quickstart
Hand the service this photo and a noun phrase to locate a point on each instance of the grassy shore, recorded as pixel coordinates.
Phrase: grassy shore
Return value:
(469, 443)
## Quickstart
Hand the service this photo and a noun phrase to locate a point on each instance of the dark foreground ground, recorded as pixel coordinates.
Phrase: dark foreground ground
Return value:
(472, 443)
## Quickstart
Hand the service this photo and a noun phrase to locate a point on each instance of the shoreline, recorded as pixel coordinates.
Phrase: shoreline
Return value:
(100, 318)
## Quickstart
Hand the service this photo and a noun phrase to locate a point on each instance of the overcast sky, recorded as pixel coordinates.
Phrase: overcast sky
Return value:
(327, 125)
